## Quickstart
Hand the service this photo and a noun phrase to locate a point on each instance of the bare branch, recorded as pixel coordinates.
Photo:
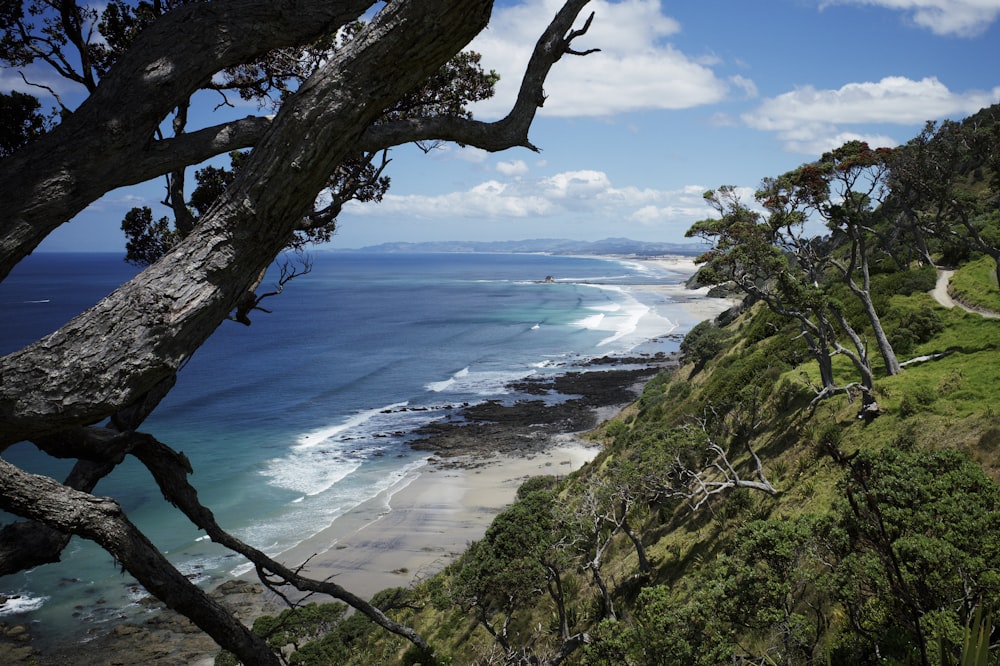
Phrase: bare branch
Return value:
(251, 301)
(103, 521)
(717, 474)
(511, 131)
(47, 89)
(170, 471)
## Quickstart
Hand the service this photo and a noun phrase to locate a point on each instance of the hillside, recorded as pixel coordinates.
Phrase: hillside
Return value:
(816, 484)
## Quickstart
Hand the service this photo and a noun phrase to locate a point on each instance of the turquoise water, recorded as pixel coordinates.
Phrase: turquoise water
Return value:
(308, 412)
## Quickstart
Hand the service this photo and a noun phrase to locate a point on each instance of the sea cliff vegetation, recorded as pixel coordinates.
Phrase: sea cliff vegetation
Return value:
(784, 497)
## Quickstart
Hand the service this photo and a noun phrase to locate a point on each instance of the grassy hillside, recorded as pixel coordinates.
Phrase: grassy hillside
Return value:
(818, 484)
(729, 516)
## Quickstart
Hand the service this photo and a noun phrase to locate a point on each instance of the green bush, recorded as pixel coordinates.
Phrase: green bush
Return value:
(703, 343)
(916, 399)
(908, 326)
(905, 283)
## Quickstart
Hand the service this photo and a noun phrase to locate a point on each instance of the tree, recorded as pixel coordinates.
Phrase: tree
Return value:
(20, 121)
(499, 575)
(775, 261)
(766, 585)
(940, 185)
(844, 188)
(915, 551)
(114, 363)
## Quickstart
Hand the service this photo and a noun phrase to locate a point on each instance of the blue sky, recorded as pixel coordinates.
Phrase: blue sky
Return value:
(683, 97)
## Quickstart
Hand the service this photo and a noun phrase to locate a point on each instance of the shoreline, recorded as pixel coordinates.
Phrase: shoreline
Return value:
(475, 463)
(404, 535)
(412, 531)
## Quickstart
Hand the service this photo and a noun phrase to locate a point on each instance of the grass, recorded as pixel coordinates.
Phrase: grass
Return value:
(975, 284)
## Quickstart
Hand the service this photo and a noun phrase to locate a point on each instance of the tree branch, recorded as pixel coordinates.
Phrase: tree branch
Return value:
(95, 149)
(103, 521)
(170, 469)
(187, 149)
(511, 131)
(717, 474)
(167, 312)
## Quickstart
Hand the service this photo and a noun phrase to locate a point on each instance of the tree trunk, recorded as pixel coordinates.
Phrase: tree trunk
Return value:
(892, 366)
(640, 550)
(167, 312)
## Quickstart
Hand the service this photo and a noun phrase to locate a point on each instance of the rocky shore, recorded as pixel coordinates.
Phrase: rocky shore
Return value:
(577, 401)
(545, 409)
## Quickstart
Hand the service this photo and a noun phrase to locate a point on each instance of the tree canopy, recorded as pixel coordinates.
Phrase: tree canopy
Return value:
(335, 93)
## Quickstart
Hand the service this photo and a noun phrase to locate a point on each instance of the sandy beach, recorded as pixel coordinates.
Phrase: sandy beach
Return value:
(415, 530)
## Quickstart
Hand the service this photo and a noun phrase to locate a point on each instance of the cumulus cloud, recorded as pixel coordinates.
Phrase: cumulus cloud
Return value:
(578, 195)
(811, 121)
(961, 18)
(636, 68)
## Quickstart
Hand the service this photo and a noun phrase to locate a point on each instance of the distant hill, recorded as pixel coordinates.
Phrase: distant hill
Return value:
(616, 246)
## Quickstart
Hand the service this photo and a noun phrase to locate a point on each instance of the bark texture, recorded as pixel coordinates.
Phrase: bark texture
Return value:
(117, 360)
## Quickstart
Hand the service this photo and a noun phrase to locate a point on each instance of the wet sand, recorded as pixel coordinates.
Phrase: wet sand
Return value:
(406, 535)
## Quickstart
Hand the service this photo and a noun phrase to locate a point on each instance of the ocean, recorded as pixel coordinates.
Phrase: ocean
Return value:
(291, 422)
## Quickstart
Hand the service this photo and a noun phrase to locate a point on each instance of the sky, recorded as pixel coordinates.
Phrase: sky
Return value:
(681, 98)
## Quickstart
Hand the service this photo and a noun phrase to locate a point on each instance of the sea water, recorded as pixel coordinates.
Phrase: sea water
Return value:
(308, 412)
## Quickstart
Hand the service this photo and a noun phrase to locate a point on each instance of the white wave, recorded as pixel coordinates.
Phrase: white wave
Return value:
(304, 522)
(438, 387)
(592, 322)
(15, 604)
(626, 324)
(323, 435)
(480, 382)
(310, 473)
(327, 456)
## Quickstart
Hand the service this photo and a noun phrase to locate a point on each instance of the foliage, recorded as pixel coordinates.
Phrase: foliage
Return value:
(147, 239)
(501, 573)
(946, 184)
(909, 325)
(20, 121)
(920, 544)
(703, 342)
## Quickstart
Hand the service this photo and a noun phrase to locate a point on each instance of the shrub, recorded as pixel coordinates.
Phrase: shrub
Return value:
(703, 343)
(908, 326)
(916, 399)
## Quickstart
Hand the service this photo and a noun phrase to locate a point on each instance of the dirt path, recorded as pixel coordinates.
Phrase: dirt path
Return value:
(941, 295)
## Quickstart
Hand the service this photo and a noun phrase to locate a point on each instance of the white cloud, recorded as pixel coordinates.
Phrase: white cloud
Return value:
(686, 206)
(40, 81)
(748, 87)
(584, 195)
(811, 121)
(961, 18)
(634, 70)
(513, 168)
